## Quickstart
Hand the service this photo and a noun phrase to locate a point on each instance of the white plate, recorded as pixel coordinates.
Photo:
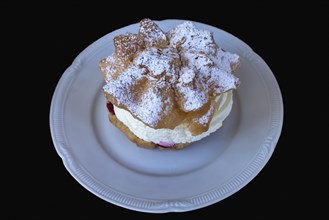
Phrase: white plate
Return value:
(106, 163)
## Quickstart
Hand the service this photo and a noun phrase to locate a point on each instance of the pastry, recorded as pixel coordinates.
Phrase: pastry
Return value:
(168, 89)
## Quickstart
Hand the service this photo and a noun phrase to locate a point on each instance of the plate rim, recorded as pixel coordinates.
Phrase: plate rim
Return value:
(160, 206)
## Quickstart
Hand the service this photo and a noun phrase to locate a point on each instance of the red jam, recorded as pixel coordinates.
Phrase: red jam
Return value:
(110, 108)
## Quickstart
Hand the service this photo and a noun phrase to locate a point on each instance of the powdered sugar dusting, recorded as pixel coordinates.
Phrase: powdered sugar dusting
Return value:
(113, 67)
(149, 107)
(226, 61)
(205, 119)
(192, 95)
(186, 75)
(151, 66)
(127, 45)
(211, 74)
(157, 61)
(222, 81)
(189, 38)
(152, 34)
(119, 88)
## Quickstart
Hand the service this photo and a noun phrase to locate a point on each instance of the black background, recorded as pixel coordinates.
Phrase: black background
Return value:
(43, 42)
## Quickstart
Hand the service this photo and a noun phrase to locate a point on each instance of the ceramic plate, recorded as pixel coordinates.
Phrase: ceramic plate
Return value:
(107, 164)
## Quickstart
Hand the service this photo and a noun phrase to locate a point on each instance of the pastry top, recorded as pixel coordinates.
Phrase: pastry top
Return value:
(165, 79)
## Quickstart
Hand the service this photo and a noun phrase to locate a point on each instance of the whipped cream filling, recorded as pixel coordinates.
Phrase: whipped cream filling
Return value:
(180, 134)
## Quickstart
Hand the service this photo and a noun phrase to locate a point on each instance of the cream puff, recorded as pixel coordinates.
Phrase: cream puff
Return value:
(168, 89)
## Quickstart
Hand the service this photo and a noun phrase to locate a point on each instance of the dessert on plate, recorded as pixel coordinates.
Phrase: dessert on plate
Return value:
(168, 89)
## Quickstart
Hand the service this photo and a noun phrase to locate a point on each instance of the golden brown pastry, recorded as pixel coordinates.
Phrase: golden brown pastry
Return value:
(168, 89)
